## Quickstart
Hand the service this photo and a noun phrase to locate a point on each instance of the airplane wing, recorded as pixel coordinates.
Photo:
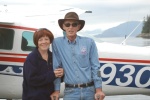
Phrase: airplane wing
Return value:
(53, 12)
(4, 19)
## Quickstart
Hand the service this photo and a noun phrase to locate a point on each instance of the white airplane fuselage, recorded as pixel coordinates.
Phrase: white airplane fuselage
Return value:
(124, 69)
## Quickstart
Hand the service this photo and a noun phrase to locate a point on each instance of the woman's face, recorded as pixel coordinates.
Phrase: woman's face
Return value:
(44, 43)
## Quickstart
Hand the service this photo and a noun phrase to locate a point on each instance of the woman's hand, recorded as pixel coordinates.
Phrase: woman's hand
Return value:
(59, 72)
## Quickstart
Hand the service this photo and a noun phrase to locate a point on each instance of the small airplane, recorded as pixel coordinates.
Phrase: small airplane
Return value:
(124, 69)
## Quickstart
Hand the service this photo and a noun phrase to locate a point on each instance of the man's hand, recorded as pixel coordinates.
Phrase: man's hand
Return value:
(55, 95)
(99, 95)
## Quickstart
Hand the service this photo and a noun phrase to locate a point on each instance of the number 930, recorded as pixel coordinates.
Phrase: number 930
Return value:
(126, 75)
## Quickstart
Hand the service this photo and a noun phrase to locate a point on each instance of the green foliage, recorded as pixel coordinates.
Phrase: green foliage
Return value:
(146, 26)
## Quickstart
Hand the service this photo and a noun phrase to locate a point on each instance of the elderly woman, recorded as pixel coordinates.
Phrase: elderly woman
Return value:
(38, 74)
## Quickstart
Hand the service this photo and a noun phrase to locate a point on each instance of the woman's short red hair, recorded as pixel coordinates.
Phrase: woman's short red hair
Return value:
(40, 33)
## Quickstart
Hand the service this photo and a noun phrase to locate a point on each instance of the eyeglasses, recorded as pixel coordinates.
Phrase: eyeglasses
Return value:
(73, 24)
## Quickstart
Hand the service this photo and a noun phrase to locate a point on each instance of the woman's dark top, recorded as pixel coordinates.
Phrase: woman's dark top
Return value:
(38, 77)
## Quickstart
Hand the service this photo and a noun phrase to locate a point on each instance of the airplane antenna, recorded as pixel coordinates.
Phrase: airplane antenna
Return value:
(88, 11)
(124, 41)
(66, 9)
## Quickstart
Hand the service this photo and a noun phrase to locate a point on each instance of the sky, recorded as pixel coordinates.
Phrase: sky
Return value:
(105, 13)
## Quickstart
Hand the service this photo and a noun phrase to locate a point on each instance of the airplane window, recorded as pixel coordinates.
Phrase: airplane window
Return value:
(27, 41)
(6, 38)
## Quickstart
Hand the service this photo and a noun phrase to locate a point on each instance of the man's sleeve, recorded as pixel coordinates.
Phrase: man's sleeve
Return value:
(94, 60)
(56, 64)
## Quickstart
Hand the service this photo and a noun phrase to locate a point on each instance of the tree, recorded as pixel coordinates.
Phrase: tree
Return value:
(146, 26)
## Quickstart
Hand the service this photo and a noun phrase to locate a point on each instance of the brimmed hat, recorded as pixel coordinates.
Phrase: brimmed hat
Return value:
(73, 16)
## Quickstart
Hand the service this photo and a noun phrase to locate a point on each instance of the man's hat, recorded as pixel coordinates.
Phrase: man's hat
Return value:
(73, 16)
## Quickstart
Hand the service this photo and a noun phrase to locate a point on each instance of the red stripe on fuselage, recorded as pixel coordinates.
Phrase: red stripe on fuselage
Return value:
(2, 53)
(18, 27)
(125, 60)
(12, 59)
(18, 59)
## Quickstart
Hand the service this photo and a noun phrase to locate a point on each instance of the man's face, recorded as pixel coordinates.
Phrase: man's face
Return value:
(71, 27)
